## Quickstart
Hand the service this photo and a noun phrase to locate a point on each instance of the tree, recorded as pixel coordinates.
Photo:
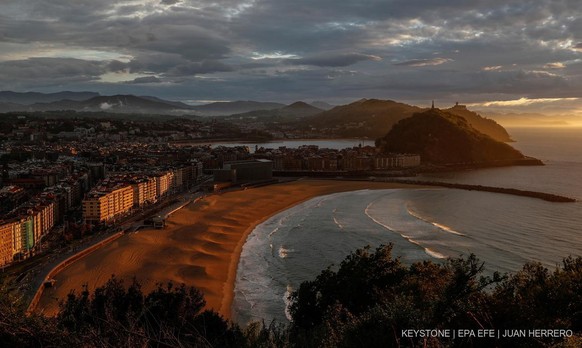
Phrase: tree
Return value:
(535, 298)
(372, 297)
(170, 315)
(367, 302)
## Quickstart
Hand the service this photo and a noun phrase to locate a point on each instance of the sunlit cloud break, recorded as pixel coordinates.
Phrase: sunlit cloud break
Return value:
(491, 68)
(521, 102)
(556, 65)
(424, 62)
(274, 55)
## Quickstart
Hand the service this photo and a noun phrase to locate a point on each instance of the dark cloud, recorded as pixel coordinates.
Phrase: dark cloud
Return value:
(49, 72)
(333, 60)
(187, 40)
(169, 65)
(117, 66)
(445, 84)
(146, 79)
(474, 49)
(156, 62)
(197, 68)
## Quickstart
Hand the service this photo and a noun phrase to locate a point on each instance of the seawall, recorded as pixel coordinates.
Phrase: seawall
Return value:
(511, 191)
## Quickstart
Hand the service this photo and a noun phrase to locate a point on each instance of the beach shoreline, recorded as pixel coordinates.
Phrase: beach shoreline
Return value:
(201, 246)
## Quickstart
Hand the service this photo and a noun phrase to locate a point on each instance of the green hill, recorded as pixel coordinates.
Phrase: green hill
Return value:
(366, 117)
(441, 137)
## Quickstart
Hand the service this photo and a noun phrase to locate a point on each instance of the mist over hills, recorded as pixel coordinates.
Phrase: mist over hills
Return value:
(235, 107)
(169, 102)
(88, 101)
(116, 103)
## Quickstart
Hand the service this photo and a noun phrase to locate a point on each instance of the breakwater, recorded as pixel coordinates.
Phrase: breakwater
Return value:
(510, 191)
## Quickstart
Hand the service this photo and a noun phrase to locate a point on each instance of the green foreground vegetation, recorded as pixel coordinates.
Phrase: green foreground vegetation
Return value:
(368, 302)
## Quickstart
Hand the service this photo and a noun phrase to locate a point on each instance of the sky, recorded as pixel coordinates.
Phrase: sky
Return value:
(498, 55)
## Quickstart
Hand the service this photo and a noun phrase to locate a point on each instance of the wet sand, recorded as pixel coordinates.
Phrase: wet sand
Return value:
(200, 245)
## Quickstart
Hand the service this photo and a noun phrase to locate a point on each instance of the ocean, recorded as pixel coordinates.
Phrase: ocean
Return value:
(504, 231)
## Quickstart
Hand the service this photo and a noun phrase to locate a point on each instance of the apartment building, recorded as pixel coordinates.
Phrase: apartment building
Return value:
(164, 182)
(104, 204)
(144, 191)
(8, 229)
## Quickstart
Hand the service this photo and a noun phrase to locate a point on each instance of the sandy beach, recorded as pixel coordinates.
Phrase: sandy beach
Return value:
(200, 245)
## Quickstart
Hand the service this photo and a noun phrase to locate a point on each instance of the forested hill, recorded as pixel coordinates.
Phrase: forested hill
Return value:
(366, 117)
(441, 137)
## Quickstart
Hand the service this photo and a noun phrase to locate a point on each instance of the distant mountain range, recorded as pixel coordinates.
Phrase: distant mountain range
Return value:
(235, 107)
(30, 98)
(115, 104)
(321, 105)
(288, 113)
(371, 118)
(89, 101)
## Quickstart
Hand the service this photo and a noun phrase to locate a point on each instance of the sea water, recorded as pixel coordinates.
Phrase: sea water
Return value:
(504, 231)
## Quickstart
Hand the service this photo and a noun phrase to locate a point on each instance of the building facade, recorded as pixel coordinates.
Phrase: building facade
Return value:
(8, 229)
(104, 205)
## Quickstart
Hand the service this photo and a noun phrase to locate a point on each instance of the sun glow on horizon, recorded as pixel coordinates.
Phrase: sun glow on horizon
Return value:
(520, 102)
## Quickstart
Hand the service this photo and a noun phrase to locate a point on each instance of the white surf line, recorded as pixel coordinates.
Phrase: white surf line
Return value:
(335, 220)
(428, 251)
(436, 224)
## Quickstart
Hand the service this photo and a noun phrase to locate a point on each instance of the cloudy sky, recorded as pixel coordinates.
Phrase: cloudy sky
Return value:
(496, 54)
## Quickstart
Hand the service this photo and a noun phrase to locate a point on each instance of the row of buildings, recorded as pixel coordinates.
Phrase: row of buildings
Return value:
(37, 197)
(103, 199)
(311, 158)
(20, 234)
(117, 195)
